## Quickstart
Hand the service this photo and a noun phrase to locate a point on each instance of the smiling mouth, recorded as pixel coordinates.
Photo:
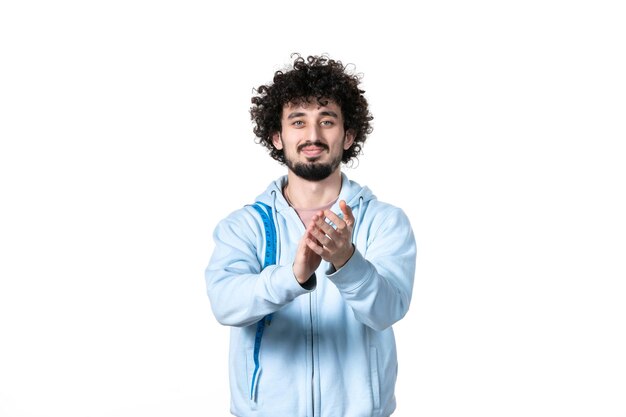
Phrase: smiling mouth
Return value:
(312, 150)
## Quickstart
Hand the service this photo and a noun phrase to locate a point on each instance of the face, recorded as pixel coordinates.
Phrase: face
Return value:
(313, 139)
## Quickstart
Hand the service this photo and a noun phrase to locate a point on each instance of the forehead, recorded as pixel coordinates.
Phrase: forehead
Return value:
(311, 107)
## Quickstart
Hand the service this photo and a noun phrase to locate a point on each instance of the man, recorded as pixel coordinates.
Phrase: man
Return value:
(311, 335)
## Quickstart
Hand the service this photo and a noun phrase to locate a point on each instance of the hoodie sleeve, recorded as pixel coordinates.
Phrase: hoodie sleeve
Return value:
(240, 292)
(378, 286)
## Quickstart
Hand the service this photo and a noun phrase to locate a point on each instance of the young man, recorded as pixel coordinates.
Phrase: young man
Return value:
(311, 335)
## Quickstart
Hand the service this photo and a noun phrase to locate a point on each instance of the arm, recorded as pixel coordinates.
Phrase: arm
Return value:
(240, 292)
(378, 286)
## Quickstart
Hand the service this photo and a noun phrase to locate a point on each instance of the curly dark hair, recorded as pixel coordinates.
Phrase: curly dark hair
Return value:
(316, 77)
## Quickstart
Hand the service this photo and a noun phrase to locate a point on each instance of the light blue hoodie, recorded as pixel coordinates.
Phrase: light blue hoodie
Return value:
(330, 350)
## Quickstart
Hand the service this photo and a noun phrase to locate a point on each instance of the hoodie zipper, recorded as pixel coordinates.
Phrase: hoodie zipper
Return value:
(275, 193)
(311, 327)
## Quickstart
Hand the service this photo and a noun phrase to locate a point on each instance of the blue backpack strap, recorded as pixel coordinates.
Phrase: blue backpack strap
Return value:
(269, 259)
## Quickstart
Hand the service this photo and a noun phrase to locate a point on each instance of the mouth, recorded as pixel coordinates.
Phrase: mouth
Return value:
(312, 150)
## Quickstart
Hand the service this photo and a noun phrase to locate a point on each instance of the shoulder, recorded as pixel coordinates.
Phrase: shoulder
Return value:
(244, 223)
(380, 215)
(379, 209)
(247, 218)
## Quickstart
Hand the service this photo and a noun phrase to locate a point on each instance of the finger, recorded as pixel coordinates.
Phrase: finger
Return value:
(311, 234)
(335, 219)
(347, 212)
(315, 234)
(321, 224)
(314, 246)
(314, 219)
(322, 238)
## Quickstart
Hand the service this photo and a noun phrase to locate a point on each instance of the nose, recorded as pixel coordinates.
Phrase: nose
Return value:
(313, 133)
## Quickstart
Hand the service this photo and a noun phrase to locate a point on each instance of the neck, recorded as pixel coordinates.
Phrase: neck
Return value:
(303, 194)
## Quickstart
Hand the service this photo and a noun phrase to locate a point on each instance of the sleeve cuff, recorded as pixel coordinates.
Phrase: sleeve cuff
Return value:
(352, 275)
(284, 282)
(310, 284)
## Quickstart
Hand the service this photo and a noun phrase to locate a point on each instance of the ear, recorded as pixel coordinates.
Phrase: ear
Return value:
(278, 143)
(349, 140)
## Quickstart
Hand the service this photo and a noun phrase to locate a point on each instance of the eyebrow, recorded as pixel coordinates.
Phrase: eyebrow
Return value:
(322, 113)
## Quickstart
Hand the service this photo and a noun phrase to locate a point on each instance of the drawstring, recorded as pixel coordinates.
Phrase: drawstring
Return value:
(277, 226)
(359, 219)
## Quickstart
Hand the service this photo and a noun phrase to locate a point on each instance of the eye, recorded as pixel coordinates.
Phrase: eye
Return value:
(327, 123)
(298, 123)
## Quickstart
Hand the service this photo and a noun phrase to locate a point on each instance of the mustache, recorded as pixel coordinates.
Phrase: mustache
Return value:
(316, 143)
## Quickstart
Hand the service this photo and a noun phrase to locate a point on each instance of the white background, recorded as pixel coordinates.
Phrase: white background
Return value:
(125, 137)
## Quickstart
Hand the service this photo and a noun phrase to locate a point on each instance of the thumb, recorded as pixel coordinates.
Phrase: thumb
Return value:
(347, 213)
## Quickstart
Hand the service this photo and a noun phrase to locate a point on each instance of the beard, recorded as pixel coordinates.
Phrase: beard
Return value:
(313, 171)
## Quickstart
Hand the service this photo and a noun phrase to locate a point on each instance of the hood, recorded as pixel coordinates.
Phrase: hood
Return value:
(353, 193)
